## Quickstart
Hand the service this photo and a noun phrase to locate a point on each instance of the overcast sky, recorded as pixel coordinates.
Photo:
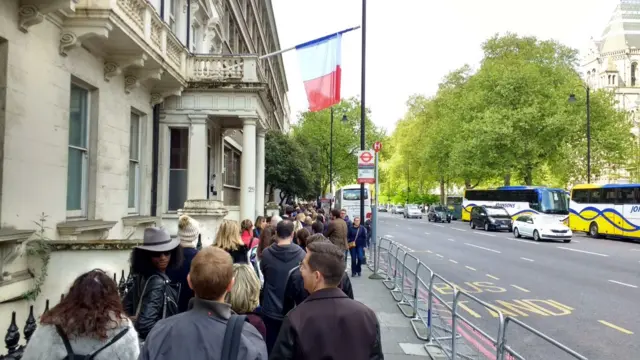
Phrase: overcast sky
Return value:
(412, 44)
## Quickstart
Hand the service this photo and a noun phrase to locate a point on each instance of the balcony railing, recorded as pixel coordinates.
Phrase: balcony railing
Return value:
(231, 68)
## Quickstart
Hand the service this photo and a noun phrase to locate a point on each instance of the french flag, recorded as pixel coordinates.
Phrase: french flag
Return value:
(320, 67)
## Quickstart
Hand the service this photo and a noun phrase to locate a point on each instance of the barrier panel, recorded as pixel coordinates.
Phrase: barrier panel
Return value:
(411, 283)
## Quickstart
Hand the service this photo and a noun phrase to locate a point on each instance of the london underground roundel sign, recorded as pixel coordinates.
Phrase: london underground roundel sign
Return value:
(377, 146)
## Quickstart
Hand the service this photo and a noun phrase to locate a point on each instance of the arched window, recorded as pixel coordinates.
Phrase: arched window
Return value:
(634, 70)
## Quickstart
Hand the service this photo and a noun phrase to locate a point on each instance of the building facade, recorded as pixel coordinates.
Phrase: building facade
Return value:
(114, 113)
(611, 62)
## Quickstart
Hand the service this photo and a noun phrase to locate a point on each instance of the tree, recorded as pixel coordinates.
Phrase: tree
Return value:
(286, 167)
(313, 131)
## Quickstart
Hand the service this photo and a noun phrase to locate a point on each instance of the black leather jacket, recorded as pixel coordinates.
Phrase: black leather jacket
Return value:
(295, 293)
(151, 303)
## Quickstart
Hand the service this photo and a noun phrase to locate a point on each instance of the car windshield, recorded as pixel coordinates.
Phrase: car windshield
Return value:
(554, 202)
(439, 208)
(497, 211)
(412, 207)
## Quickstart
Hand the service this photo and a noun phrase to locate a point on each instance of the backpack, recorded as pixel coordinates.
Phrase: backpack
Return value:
(232, 337)
(72, 356)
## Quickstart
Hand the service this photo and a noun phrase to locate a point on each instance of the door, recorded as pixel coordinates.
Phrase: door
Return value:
(626, 218)
(526, 225)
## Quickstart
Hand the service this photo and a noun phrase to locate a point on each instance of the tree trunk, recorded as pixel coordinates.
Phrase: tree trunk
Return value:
(528, 175)
(271, 194)
(442, 191)
(507, 180)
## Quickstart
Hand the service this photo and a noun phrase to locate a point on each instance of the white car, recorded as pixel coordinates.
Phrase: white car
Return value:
(412, 212)
(541, 227)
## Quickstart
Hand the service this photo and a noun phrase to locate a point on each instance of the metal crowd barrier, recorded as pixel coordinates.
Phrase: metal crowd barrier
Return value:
(411, 284)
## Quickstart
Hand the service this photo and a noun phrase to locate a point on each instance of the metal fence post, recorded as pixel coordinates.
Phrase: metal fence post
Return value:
(376, 253)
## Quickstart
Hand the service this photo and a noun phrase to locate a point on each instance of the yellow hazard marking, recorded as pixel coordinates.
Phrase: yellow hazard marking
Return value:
(622, 330)
(519, 288)
(493, 277)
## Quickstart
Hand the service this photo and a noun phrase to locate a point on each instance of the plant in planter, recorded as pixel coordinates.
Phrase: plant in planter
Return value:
(40, 249)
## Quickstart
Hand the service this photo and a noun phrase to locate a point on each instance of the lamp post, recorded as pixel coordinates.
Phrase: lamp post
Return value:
(344, 120)
(363, 109)
(572, 99)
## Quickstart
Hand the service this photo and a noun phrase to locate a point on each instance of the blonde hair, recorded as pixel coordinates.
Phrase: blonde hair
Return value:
(228, 236)
(245, 294)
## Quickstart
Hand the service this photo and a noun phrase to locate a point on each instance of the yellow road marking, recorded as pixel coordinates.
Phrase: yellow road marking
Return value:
(493, 277)
(520, 288)
(470, 268)
(622, 330)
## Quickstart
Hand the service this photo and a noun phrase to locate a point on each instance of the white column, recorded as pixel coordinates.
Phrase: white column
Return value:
(197, 178)
(260, 184)
(248, 170)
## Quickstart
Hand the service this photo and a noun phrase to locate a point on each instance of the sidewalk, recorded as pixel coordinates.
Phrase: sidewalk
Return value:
(399, 342)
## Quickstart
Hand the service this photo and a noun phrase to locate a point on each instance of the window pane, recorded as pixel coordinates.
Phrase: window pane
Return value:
(78, 117)
(228, 166)
(134, 137)
(133, 184)
(177, 189)
(75, 172)
(179, 149)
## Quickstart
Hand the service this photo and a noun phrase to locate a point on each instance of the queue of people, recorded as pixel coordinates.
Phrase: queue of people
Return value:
(276, 289)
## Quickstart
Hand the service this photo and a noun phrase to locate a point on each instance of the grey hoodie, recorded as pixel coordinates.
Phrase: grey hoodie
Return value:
(277, 261)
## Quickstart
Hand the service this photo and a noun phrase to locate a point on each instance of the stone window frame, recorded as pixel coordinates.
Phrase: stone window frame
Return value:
(141, 118)
(83, 213)
(169, 128)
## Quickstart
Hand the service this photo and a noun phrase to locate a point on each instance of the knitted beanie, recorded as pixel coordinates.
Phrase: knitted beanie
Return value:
(188, 231)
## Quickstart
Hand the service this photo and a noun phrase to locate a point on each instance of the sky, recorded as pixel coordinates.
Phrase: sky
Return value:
(413, 44)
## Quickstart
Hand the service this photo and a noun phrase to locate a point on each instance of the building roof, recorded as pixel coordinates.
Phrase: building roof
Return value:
(623, 30)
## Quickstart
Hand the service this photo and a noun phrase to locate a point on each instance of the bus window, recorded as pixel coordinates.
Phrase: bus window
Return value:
(580, 196)
(554, 202)
(627, 195)
(609, 196)
(353, 194)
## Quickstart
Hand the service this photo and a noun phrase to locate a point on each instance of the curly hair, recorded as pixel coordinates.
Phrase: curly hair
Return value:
(91, 307)
(141, 261)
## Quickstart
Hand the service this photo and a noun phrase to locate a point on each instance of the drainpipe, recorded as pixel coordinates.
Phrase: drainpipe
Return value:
(188, 44)
(154, 159)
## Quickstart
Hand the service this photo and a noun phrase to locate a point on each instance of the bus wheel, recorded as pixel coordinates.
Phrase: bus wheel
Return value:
(593, 230)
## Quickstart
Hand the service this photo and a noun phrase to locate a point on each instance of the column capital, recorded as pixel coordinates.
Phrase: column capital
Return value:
(198, 118)
(249, 120)
(261, 133)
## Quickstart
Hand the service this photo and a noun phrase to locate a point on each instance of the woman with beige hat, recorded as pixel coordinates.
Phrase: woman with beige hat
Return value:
(188, 233)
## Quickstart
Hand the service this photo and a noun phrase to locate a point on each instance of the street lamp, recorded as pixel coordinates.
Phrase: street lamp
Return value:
(344, 120)
(572, 99)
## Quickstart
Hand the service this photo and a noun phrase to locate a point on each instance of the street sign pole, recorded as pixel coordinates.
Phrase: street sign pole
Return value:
(374, 226)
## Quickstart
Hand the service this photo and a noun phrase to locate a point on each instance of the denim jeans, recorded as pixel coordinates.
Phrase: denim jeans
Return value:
(357, 255)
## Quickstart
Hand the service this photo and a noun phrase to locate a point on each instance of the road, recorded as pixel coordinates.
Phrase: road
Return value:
(584, 293)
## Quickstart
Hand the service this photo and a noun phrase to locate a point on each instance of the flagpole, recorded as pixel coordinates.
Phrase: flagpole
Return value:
(294, 47)
(363, 112)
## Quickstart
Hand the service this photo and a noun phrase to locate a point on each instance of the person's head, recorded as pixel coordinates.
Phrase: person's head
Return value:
(228, 236)
(335, 213)
(302, 236)
(322, 267)
(260, 222)
(320, 218)
(317, 227)
(188, 231)
(268, 220)
(157, 252)
(246, 225)
(90, 308)
(244, 296)
(356, 221)
(267, 238)
(211, 274)
(308, 221)
(275, 220)
(343, 213)
(317, 238)
(288, 210)
(284, 230)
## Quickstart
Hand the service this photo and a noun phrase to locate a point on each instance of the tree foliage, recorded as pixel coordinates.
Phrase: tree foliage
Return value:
(285, 168)
(509, 122)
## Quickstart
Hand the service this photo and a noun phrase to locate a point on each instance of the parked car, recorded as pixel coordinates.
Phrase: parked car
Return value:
(412, 212)
(398, 209)
(382, 208)
(438, 213)
(541, 227)
(490, 218)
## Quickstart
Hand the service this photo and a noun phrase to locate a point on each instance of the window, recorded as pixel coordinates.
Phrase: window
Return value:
(232, 167)
(178, 167)
(194, 38)
(134, 164)
(354, 194)
(78, 162)
(634, 70)
(173, 10)
(627, 195)
(580, 196)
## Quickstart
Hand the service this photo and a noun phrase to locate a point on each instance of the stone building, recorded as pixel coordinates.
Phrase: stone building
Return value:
(120, 114)
(611, 62)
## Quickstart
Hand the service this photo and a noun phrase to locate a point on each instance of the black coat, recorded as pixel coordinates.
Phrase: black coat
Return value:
(295, 293)
(327, 318)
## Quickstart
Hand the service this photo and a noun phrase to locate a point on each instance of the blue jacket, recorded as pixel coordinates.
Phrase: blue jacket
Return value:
(361, 241)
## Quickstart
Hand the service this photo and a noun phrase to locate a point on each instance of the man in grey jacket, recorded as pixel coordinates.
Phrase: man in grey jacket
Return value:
(198, 333)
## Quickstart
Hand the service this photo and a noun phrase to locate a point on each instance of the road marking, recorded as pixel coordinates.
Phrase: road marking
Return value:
(470, 268)
(485, 234)
(452, 240)
(459, 229)
(525, 241)
(427, 233)
(430, 252)
(440, 256)
(623, 284)
(635, 249)
(526, 259)
(453, 261)
(520, 288)
(389, 236)
(493, 277)
(622, 330)
(438, 225)
(483, 248)
(576, 241)
(582, 251)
